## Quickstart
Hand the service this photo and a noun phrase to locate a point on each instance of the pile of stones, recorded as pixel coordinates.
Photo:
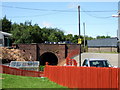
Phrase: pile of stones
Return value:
(12, 54)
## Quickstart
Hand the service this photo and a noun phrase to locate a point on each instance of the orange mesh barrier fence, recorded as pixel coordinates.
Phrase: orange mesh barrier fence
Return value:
(16, 71)
(84, 77)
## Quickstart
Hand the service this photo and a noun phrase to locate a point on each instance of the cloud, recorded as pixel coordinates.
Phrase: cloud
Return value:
(46, 24)
(73, 5)
(71, 32)
(59, 0)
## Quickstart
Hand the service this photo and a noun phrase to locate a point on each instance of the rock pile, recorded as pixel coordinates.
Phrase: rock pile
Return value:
(12, 54)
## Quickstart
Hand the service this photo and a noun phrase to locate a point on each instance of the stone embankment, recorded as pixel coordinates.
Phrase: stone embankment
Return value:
(12, 54)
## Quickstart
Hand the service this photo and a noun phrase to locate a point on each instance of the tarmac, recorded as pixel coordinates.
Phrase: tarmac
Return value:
(113, 58)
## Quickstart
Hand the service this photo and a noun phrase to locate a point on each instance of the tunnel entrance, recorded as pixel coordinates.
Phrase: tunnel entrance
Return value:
(49, 57)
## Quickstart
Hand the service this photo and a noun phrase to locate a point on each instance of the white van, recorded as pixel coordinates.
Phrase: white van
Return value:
(96, 63)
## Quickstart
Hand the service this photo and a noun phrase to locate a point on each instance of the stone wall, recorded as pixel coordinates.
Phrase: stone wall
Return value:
(103, 49)
(93, 50)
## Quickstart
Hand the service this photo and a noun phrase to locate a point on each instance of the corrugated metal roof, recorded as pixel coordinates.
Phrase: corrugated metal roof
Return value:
(107, 42)
(5, 33)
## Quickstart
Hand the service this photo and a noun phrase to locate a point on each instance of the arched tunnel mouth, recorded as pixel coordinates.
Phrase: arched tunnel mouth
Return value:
(49, 57)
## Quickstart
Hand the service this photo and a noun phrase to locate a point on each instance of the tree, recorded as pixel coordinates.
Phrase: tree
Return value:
(88, 38)
(52, 34)
(69, 37)
(6, 25)
(24, 33)
(108, 36)
(75, 39)
(53, 38)
(102, 37)
(28, 33)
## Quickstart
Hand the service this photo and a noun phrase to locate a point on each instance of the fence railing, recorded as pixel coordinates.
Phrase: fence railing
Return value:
(84, 77)
(16, 71)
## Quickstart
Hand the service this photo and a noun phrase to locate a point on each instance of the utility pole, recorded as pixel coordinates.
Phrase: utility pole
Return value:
(84, 35)
(79, 39)
(119, 21)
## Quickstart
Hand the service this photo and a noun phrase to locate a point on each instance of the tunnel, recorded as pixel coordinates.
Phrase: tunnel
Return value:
(49, 57)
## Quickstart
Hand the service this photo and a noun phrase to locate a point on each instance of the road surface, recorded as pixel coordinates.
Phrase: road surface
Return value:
(114, 59)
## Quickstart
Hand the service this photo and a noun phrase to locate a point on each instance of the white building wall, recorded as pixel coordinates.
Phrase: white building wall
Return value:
(1, 38)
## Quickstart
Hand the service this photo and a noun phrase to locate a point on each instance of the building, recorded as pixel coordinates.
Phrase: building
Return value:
(103, 45)
(5, 39)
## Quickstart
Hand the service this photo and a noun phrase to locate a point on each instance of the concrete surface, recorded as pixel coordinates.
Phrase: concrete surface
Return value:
(114, 59)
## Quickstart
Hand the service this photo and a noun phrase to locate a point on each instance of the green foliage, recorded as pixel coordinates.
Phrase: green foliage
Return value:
(68, 37)
(28, 33)
(102, 37)
(88, 38)
(13, 81)
(41, 68)
(75, 39)
(52, 35)
(5, 25)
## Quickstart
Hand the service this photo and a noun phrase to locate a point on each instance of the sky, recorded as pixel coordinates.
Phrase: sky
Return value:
(97, 16)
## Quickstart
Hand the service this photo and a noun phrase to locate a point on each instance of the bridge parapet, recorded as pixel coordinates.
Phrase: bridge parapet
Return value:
(61, 51)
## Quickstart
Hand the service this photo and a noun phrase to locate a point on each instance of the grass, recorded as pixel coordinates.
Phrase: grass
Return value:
(13, 81)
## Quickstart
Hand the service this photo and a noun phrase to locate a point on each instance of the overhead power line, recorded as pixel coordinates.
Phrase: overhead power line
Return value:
(56, 10)
(100, 17)
(37, 9)
(33, 15)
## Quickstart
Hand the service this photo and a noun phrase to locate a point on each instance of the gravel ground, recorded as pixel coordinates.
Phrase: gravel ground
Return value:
(114, 59)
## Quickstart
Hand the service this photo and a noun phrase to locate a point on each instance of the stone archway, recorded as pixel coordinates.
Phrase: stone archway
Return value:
(49, 57)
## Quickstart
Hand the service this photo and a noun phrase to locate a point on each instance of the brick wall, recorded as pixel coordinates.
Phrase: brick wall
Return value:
(36, 50)
(57, 49)
(30, 50)
(71, 47)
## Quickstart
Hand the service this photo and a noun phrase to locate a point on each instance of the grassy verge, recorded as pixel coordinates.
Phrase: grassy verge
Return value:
(13, 81)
